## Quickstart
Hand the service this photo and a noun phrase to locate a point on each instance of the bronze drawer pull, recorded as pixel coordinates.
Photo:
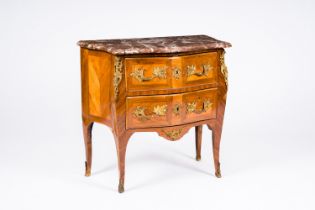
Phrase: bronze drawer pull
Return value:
(158, 110)
(191, 70)
(158, 72)
(192, 107)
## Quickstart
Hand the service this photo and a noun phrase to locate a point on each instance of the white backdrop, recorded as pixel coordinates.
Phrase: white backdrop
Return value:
(267, 150)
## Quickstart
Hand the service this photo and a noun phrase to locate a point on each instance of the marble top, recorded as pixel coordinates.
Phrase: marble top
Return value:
(171, 44)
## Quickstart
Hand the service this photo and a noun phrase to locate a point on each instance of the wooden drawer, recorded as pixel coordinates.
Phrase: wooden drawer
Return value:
(168, 110)
(157, 74)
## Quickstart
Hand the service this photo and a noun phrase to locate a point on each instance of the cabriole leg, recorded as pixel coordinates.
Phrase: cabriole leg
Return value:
(198, 136)
(216, 138)
(121, 146)
(87, 134)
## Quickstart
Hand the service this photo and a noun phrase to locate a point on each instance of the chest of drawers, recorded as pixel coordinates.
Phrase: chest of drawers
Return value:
(165, 85)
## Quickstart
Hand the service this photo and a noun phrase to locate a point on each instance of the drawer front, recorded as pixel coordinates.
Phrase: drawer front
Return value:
(148, 73)
(154, 75)
(199, 105)
(200, 69)
(169, 110)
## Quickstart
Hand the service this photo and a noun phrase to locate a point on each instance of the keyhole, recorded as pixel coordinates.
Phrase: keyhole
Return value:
(176, 109)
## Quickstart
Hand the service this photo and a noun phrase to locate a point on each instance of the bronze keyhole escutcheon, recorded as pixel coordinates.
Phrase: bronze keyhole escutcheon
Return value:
(176, 109)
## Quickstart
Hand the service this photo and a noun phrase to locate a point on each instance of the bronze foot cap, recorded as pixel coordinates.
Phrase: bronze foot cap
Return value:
(218, 174)
(88, 173)
(87, 170)
(121, 188)
(198, 158)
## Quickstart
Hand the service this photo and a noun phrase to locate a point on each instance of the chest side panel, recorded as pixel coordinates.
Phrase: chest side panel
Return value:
(96, 70)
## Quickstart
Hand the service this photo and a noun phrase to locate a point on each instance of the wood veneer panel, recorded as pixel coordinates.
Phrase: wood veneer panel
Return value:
(96, 73)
